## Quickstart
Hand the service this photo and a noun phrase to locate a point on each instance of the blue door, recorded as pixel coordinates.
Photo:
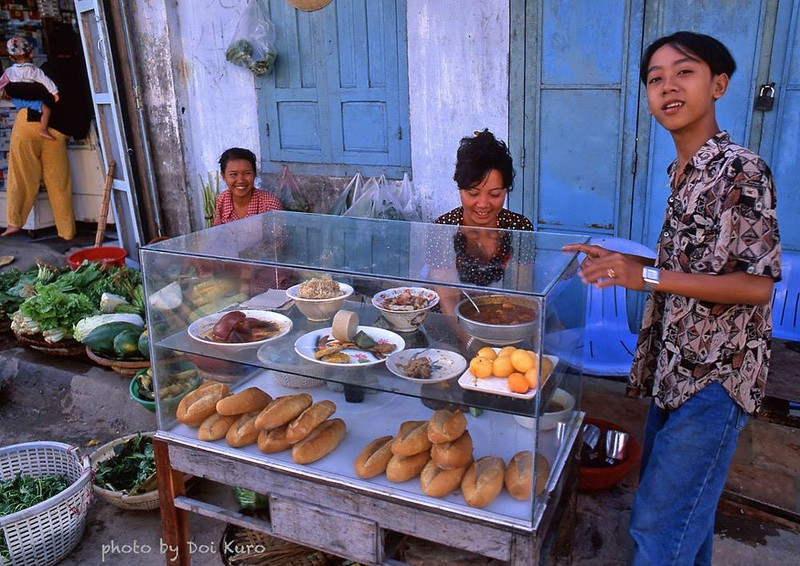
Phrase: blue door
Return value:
(590, 158)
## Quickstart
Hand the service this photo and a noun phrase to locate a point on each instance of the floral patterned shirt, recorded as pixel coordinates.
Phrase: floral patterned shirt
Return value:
(262, 201)
(720, 218)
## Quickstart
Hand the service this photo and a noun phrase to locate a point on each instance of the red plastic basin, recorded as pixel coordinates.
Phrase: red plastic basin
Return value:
(108, 255)
(600, 479)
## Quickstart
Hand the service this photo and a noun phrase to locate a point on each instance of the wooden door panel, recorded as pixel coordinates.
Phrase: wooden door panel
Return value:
(580, 159)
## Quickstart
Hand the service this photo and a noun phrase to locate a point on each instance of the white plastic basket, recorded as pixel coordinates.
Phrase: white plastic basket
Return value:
(45, 533)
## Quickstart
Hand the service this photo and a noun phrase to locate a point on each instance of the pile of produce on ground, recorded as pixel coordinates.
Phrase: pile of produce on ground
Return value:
(57, 299)
(132, 469)
(22, 492)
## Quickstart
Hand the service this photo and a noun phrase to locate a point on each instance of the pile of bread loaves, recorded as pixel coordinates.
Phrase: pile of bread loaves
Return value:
(440, 452)
(252, 416)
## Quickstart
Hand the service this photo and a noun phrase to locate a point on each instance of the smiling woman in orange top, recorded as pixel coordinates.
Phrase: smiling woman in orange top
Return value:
(242, 199)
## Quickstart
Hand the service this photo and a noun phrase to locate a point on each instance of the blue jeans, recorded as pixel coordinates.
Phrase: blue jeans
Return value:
(687, 452)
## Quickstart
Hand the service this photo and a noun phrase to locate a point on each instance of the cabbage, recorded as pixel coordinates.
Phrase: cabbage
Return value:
(86, 325)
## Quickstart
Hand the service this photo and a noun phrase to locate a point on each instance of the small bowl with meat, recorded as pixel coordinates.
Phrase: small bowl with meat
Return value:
(500, 319)
(238, 329)
(319, 298)
(405, 308)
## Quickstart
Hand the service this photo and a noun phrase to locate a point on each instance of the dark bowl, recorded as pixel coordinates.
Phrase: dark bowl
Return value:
(600, 479)
(497, 334)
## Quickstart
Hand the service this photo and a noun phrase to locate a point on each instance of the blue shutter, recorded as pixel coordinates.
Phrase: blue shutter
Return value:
(339, 95)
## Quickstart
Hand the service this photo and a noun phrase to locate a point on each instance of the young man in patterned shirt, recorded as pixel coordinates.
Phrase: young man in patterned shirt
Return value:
(704, 346)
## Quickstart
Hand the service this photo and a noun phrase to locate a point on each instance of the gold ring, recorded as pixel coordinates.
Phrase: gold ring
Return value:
(611, 273)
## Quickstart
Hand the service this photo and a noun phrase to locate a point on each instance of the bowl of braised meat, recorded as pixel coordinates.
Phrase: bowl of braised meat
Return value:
(405, 308)
(234, 330)
(499, 319)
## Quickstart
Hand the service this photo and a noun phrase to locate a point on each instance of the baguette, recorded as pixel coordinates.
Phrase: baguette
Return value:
(308, 420)
(374, 457)
(282, 410)
(436, 482)
(519, 475)
(483, 481)
(215, 427)
(446, 426)
(243, 431)
(320, 442)
(403, 468)
(452, 455)
(411, 439)
(271, 441)
(201, 403)
(251, 399)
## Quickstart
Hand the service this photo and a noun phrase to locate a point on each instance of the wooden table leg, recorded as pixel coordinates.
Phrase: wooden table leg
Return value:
(174, 521)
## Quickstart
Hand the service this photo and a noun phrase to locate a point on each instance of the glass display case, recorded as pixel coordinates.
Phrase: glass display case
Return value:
(419, 304)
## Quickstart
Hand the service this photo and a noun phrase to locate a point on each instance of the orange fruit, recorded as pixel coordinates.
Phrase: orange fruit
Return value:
(532, 377)
(502, 366)
(506, 351)
(487, 352)
(517, 383)
(523, 360)
(481, 367)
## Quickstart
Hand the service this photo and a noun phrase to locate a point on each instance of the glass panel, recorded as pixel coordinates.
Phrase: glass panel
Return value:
(528, 294)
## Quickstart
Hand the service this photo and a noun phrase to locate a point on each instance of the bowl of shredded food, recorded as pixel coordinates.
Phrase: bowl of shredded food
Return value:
(319, 298)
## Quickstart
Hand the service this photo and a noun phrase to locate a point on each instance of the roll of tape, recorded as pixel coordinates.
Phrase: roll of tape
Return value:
(345, 325)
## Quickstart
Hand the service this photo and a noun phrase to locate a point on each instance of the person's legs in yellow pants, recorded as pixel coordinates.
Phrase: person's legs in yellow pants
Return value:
(32, 157)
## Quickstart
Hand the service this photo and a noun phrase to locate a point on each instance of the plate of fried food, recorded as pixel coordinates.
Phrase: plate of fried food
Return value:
(370, 345)
(426, 365)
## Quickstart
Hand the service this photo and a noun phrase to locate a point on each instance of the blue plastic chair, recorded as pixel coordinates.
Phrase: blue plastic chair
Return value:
(608, 341)
(786, 300)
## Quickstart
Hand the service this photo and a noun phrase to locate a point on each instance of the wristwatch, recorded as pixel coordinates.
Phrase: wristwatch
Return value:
(652, 277)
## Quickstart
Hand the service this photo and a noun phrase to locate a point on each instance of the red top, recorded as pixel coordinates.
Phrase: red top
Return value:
(262, 201)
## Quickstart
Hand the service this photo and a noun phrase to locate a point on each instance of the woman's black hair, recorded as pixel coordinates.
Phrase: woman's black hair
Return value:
(478, 155)
(236, 153)
(710, 50)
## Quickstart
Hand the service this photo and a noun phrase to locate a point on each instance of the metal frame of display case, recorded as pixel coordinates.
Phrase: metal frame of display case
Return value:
(325, 505)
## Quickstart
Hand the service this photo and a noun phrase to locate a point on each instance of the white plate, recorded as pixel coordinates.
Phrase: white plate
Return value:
(203, 326)
(499, 385)
(446, 364)
(306, 345)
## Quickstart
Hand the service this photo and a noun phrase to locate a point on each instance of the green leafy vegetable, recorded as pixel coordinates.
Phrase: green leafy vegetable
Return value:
(22, 492)
(129, 470)
(52, 307)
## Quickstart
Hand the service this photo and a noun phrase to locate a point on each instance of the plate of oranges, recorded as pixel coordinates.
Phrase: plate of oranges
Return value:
(509, 371)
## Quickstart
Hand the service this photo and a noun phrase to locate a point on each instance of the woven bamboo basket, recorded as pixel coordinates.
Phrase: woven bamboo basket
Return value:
(126, 368)
(65, 347)
(142, 502)
(47, 532)
(245, 547)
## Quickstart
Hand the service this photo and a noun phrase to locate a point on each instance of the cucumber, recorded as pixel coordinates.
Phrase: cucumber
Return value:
(144, 344)
(126, 344)
(101, 339)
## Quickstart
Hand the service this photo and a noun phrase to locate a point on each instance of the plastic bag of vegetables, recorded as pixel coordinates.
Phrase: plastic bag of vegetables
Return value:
(254, 46)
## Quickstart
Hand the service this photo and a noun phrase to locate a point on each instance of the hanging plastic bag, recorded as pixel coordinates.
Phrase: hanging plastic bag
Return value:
(254, 45)
(386, 202)
(409, 200)
(349, 195)
(289, 193)
(363, 205)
